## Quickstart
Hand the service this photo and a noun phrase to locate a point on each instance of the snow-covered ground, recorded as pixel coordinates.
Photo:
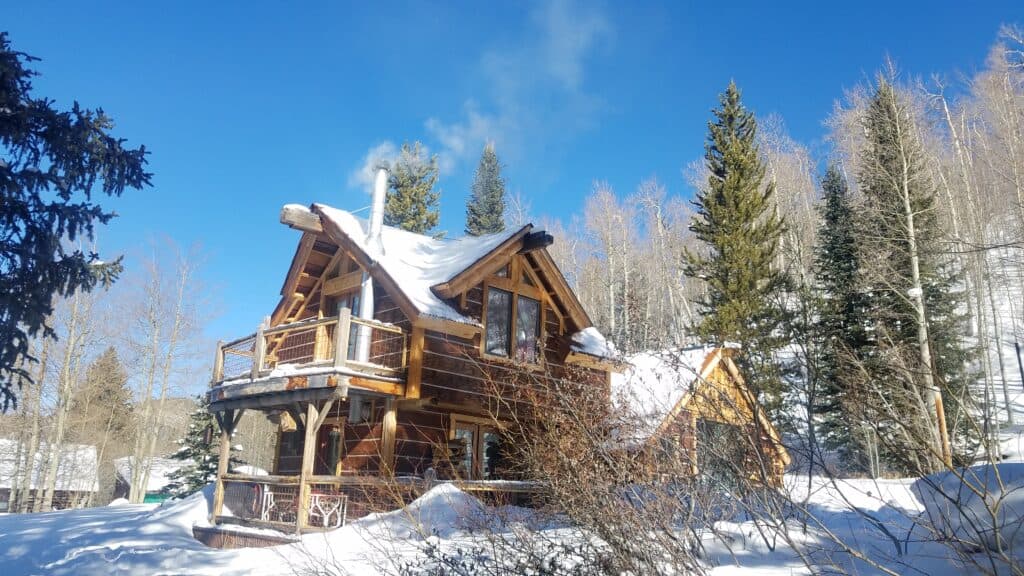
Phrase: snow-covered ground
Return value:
(884, 524)
(148, 539)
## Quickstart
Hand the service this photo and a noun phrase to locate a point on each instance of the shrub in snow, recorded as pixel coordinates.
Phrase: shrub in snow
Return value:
(979, 507)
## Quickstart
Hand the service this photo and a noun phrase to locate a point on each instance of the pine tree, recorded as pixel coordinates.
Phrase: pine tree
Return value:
(740, 229)
(200, 450)
(411, 202)
(485, 210)
(839, 332)
(914, 295)
(53, 164)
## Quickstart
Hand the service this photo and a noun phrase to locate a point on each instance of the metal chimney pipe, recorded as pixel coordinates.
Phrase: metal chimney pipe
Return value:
(373, 243)
(380, 190)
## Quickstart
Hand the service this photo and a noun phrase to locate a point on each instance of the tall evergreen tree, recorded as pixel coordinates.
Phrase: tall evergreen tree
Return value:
(411, 202)
(53, 164)
(840, 333)
(914, 296)
(101, 414)
(740, 228)
(200, 451)
(485, 210)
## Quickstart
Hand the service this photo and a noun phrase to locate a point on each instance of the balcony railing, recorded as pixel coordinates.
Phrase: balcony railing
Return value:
(325, 502)
(343, 341)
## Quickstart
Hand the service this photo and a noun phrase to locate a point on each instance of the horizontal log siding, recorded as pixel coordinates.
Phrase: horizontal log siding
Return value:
(418, 436)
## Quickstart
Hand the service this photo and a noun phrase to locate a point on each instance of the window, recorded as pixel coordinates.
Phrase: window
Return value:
(724, 453)
(499, 320)
(527, 329)
(513, 317)
(476, 450)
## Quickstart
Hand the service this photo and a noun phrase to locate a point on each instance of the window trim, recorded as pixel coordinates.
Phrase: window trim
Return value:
(516, 288)
(479, 426)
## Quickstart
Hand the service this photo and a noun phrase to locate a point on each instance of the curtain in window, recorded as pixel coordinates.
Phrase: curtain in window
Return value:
(527, 329)
(499, 320)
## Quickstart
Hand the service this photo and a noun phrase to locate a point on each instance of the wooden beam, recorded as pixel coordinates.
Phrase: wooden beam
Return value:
(483, 267)
(414, 376)
(390, 388)
(294, 271)
(300, 218)
(343, 283)
(451, 327)
(280, 399)
(536, 241)
(565, 296)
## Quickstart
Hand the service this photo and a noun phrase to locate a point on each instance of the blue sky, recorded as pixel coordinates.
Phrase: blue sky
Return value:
(247, 106)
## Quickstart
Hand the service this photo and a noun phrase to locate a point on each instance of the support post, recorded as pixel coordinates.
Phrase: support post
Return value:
(414, 377)
(308, 456)
(388, 428)
(227, 420)
(341, 337)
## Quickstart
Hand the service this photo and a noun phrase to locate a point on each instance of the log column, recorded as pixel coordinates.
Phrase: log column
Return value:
(315, 417)
(388, 429)
(227, 420)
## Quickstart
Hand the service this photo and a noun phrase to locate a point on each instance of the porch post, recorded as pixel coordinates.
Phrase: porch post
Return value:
(308, 456)
(388, 425)
(227, 420)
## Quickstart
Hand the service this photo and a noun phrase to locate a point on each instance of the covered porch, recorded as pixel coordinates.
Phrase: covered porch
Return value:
(337, 416)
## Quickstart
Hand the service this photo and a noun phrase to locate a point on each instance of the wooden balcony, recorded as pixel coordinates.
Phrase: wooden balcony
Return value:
(345, 342)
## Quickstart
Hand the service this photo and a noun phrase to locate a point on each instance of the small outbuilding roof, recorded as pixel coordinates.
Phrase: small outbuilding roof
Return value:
(160, 470)
(76, 466)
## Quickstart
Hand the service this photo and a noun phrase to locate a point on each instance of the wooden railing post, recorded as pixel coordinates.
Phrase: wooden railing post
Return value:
(260, 350)
(341, 337)
(218, 364)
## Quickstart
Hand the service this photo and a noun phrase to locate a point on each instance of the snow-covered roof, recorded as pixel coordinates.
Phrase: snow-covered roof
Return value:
(159, 471)
(654, 383)
(591, 341)
(76, 466)
(417, 262)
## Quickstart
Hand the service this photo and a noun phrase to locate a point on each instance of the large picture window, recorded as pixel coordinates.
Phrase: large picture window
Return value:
(509, 335)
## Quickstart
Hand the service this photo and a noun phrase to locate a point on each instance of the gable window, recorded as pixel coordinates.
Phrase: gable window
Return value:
(512, 326)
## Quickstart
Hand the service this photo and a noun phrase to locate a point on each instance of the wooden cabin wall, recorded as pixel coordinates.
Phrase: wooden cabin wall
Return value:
(418, 436)
(360, 450)
(386, 310)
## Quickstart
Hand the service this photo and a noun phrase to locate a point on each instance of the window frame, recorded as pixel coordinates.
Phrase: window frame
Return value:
(513, 285)
(479, 426)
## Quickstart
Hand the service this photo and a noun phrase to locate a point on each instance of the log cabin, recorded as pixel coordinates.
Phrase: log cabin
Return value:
(690, 409)
(388, 363)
